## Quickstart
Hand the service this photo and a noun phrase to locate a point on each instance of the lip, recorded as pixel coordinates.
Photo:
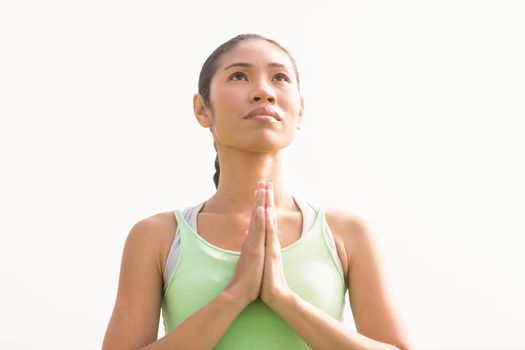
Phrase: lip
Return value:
(266, 111)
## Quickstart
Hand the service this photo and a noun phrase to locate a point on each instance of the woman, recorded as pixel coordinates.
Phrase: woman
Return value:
(265, 270)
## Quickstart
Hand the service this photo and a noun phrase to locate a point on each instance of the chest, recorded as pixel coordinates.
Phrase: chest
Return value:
(228, 232)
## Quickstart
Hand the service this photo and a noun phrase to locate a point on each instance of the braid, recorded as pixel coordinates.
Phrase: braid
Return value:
(208, 70)
(217, 168)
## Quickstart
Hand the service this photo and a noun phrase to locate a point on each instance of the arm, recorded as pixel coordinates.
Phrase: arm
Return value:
(372, 307)
(320, 330)
(135, 319)
(374, 317)
(190, 334)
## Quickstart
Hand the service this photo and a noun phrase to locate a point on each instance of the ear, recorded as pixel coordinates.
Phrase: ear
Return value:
(202, 112)
(301, 113)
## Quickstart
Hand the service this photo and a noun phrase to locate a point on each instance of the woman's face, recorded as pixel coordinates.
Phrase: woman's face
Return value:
(253, 74)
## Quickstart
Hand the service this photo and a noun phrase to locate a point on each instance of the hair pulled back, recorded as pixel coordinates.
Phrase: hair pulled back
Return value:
(210, 66)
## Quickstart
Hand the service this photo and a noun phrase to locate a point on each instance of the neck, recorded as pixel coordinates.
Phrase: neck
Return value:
(240, 171)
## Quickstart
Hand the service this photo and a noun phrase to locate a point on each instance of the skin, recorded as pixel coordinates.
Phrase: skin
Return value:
(250, 154)
(250, 151)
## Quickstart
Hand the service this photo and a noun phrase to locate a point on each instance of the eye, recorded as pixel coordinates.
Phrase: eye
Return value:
(236, 75)
(282, 76)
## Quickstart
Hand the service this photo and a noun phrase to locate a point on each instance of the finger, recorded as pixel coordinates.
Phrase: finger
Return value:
(263, 193)
(272, 241)
(261, 222)
(258, 199)
(269, 235)
(260, 185)
(261, 219)
(257, 222)
(262, 205)
(255, 207)
(271, 203)
(271, 199)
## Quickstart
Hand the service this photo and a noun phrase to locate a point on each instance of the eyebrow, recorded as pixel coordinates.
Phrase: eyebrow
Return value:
(248, 65)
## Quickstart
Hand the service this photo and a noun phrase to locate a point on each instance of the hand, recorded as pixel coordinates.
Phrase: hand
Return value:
(246, 283)
(274, 286)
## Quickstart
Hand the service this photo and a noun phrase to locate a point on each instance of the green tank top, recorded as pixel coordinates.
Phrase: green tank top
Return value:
(203, 271)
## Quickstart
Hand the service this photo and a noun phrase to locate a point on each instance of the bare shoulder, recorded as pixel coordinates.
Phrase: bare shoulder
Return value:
(157, 224)
(344, 218)
(374, 312)
(349, 228)
(135, 318)
(154, 234)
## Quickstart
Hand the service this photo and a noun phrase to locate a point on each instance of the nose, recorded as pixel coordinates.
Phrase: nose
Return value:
(263, 92)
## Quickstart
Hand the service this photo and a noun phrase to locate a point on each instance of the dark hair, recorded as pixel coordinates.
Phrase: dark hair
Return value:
(208, 70)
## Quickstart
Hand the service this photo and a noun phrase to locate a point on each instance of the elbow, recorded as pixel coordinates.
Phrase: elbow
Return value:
(404, 346)
(399, 345)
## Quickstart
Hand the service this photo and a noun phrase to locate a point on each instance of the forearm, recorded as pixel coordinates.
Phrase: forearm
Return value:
(203, 329)
(319, 330)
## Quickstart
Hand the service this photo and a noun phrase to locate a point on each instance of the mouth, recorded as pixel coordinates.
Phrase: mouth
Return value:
(263, 111)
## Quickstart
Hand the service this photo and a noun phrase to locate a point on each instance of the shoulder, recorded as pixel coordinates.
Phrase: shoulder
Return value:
(155, 224)
(152, 236)
(374, 313)
(343, 218)
(352, 230)
(135, 316)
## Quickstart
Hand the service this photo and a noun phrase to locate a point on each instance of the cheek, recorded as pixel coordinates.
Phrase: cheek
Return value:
(226, 96)
(292, 103)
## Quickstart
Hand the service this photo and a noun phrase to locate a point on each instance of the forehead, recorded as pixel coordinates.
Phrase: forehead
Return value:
(256, 52)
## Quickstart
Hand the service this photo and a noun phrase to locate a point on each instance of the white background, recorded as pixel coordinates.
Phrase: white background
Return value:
(414, 121)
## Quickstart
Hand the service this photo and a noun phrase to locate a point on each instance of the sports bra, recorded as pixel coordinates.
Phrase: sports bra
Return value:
(309, 213)
(202, 270)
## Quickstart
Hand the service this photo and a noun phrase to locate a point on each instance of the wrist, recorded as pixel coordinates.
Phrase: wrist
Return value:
(282, 300)
(234, 298)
